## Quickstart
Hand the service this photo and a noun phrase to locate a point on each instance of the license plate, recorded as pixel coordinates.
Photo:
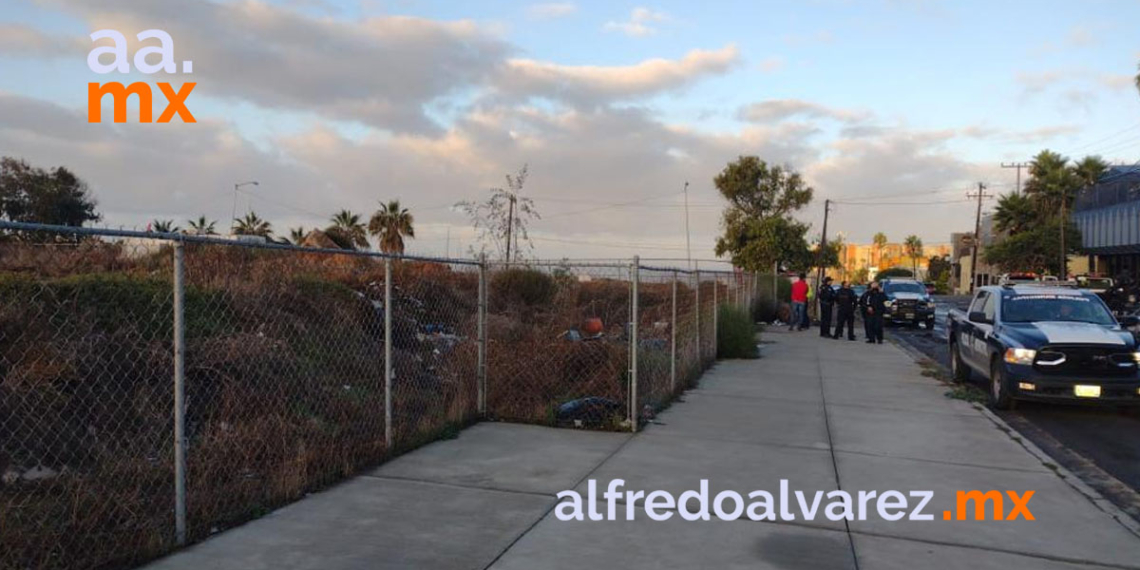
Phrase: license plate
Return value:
(910, 315)
(1082, 391)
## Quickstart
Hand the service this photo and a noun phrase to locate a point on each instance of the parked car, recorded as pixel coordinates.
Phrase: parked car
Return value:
(1045, 343)
(908, 302)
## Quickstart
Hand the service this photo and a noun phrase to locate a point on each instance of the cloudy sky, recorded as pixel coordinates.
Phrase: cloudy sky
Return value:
(896, 107)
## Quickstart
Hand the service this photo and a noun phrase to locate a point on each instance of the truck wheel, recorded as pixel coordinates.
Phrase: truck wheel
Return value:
(930, 324)
(958, 369)
(1001, 393)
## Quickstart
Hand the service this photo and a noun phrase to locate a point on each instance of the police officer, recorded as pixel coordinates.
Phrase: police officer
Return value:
(826, 300)
(845, 300)
(876, 308)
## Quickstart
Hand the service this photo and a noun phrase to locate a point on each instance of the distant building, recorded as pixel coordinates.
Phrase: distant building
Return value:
(856, 257)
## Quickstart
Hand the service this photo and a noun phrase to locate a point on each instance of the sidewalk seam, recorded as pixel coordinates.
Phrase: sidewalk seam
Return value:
(554, 504)
(831, 450)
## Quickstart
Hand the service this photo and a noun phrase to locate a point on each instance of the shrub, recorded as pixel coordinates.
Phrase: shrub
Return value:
(735, 337)
(522, 286)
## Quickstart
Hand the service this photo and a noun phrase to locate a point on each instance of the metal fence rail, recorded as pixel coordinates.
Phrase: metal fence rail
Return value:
(158, 388)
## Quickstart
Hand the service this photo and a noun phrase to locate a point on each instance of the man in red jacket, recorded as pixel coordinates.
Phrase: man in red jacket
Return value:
(799, 303)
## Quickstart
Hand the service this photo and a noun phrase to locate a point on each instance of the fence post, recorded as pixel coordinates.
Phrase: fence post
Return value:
(673, 340)
(481, 373)
(388, 309)
(700, 350)
(635, 271)
(179, 398)
(716, 311)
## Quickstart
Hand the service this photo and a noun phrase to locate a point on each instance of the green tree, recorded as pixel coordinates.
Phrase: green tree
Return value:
(861, 275)
(252, 225)
(939, 268)
(391, 224)
(1036, 249)
(34, 195)
(880, 241)
(348, 230)
(1015, 213)
(913, 246)
(164, 227)
(203, 227)
(893, 272)
(759, 230)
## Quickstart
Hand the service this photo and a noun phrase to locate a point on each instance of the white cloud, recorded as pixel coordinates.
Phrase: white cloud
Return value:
(382, 71)
(593, 84)
(639, 23)
(777, 110)
(771, 64)
(552, 10)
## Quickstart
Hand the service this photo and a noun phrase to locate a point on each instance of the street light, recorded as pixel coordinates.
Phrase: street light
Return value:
(233, 213)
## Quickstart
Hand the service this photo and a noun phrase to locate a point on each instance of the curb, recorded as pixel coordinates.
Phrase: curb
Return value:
(1095, 497)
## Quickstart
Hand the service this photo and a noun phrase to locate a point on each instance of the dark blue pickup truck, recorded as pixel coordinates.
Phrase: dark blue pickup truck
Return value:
(1044, 343)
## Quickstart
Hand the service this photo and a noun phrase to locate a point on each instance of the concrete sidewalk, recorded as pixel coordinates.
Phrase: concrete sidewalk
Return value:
(823, 414)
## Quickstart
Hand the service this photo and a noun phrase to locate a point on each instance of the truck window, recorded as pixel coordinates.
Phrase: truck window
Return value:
(979, 300)
(988, 308)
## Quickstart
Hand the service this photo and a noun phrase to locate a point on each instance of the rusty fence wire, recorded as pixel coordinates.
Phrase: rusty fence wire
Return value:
(158, 388)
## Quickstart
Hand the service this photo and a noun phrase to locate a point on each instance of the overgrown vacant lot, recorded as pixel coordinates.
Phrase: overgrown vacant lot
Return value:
(284, 379)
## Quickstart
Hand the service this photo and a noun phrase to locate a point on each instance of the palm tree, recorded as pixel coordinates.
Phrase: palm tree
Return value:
(164, 227)
(1014, 213)
(203, 227)
(297, 235)
(251, 225)
(1089, 170)
(350, 228)
(913, 246)
(880, 241)
(390, 224)
(1050, 182)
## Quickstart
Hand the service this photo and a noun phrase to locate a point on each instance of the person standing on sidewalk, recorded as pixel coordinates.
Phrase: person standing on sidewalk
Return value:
(876, 308)
(826, 300)
(845, 301)
(799, 303)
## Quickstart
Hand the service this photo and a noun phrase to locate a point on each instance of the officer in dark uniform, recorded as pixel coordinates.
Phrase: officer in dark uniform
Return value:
(876, 308)
(864, 301)
(826, 300)
(845, 301)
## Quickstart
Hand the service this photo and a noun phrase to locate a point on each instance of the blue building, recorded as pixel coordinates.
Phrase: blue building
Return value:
(1108, 215)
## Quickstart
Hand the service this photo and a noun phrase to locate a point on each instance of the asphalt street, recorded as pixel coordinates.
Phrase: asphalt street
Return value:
(1090, 441)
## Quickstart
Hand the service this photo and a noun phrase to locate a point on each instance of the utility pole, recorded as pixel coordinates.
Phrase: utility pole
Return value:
(510, 229)
(1018, 166)
(977, 234)
(822, 245)
(233, 213)
(688, 247)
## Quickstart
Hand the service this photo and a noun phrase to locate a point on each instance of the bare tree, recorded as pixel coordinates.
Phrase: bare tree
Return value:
(503, 218)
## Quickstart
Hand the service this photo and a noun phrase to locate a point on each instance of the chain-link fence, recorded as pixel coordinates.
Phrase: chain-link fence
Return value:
(155, 389)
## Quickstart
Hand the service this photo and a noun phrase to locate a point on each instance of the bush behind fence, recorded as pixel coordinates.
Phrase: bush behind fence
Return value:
(300, 368)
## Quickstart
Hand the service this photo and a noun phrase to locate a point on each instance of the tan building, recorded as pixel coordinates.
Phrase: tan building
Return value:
(857, 257)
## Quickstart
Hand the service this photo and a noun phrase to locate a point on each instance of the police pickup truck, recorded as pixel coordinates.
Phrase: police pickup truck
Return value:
(1035, 342)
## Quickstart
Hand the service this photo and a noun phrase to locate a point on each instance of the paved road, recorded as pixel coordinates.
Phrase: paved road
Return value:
(1076, 436)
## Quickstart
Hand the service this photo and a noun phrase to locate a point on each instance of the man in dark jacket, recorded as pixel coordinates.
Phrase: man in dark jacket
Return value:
(876, 308)
(845, 301)
(826, 300)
